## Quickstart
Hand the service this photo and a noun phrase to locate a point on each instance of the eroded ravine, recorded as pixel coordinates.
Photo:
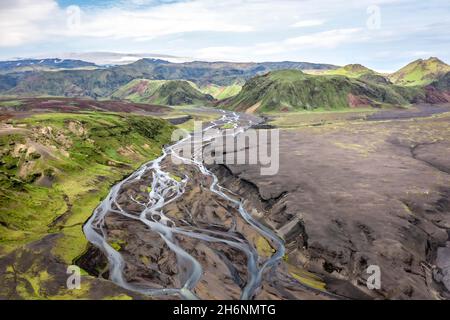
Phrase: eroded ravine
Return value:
(153, 212)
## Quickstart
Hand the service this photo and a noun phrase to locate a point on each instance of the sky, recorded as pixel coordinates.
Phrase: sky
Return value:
(381, 34)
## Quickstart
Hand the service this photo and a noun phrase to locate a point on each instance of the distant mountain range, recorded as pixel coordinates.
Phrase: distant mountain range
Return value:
(26, 65)
(268, 86)
(102, 82)
(103, 58)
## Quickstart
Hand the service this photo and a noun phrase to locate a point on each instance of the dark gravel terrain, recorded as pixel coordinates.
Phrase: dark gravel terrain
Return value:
(353, 194)
(418, 111)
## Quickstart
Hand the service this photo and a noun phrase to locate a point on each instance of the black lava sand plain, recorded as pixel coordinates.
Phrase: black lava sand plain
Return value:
(359, 193)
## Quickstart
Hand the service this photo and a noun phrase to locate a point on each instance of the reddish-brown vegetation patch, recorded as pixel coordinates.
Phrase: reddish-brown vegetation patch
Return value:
(357, 101)
(435, 96)
(140, 87)
(5, 116)
(77, 105)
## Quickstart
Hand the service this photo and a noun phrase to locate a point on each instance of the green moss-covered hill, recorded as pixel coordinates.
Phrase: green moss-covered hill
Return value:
(351, 71)
(290, 90)
(361, 72)
(54, 170)
(165, 92)
(420, 72)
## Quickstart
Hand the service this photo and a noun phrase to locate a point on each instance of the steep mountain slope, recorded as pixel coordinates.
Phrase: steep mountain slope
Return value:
(294, 90)
(166, 92)
(420, 72)
(8, 82)
(443, 83)
(103, 82)
(222, 92)
(439, 90)
(375, 78)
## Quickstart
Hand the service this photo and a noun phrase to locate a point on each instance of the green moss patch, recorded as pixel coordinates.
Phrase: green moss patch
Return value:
(53, 177)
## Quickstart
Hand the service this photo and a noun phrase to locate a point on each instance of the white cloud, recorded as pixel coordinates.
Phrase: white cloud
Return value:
(28, 21)
(328, 39)
(25, 21)
(21, 20)
(228, 29)
(228, 53)
(150, 23)
(325, 39)
(308, 23)
(420, 53)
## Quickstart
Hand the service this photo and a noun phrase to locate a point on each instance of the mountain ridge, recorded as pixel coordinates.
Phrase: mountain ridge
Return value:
(163, 92)
(223, 79)
(100, 83)
(354, 70)
(47, 64)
